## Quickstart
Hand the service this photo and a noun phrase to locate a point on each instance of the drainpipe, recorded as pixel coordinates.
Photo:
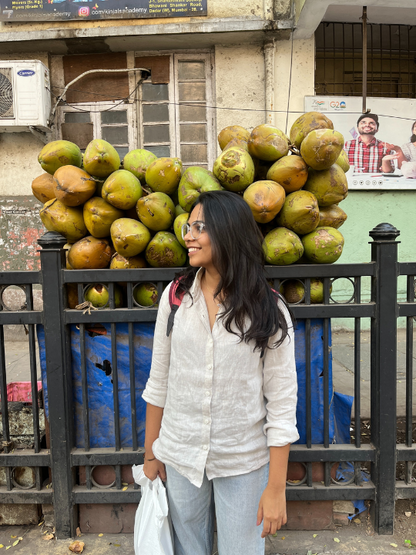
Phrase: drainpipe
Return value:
(269, 63)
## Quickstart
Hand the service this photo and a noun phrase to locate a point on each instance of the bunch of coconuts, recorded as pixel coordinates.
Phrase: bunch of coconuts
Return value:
(129, 214)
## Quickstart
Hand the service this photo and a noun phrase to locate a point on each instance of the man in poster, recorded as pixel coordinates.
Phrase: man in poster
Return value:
(366, 153)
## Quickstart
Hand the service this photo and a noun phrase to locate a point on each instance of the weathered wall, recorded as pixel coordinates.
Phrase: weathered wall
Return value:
(301, 83)
(19, 231)
(239, 82)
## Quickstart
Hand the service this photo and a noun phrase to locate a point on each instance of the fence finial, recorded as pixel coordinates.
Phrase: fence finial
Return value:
(52, 240)
(384, 232)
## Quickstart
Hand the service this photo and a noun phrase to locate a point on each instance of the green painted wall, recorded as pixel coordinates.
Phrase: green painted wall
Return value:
(365, 210)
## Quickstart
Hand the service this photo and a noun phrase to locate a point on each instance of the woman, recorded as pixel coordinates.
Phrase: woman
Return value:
(222, 388)
(409, 149)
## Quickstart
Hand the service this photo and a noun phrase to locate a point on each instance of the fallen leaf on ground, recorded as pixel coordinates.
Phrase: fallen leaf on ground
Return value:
(78, 532)
(77, 547)
(393, 544)
(100, 535)
(124, 489)
(337, 540)
(314, 535)
(15, 543)
(13, 536)
(48, 537)
(357, 521)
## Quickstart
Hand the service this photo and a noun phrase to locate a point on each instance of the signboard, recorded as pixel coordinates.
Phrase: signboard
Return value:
(66, 10)
(394, 133)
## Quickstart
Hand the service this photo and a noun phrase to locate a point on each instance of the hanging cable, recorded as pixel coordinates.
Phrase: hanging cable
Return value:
(145, 74)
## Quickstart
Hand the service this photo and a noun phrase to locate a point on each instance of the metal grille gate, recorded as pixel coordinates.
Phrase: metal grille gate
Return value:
(64, 458)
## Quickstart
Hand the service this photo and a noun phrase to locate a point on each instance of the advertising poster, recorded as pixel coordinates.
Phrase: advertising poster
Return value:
(381, 145)
(66, 10)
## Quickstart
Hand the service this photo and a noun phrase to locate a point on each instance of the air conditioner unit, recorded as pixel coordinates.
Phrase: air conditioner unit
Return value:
(25, 98)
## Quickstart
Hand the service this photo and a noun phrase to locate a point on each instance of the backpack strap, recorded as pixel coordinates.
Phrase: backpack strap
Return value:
(174, 303)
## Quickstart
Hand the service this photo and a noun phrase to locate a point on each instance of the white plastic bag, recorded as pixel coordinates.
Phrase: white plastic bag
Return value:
(152, 531)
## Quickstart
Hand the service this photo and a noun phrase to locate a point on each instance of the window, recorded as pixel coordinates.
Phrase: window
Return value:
(172, 119)
(391, 55)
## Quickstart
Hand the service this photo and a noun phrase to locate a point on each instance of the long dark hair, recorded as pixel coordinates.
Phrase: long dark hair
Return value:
(238, 256)
(413, 137)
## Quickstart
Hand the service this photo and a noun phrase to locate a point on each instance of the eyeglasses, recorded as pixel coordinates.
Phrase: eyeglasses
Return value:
(195, 229)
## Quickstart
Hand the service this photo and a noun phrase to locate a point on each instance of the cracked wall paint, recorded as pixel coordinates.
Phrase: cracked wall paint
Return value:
(20, 229)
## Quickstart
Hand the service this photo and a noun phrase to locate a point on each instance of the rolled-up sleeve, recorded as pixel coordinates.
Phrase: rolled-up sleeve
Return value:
(280, 389)
(157, 384)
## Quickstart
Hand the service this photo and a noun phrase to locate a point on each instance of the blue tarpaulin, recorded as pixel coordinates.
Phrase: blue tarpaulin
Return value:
(100, 384)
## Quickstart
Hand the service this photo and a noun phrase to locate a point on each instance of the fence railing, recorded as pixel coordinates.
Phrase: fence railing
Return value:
(71, 449)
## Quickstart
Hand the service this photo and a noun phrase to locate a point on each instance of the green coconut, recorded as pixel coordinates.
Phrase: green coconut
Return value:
(195, 181)
(291, 172)
(343, 161)
(282, 247)
(99, 215)
(268, 143)
(66, 220)
(234, 133)
(177, 227)
(329, 186)
(129, 236)
(164, 251)
(234, 169)
(98, 295)
(145, 294)
(43, 187)
(120, 262)
(305, 124)
(300, 212)
(332, 216)
(59, 153)
(323, 245)
(122, 190)
(137, 161)
(321, 148)
(156, 211)
(265, 199)
(163, 175)
(293, 291)
(101, 158)
(90, 253)
(73, 186)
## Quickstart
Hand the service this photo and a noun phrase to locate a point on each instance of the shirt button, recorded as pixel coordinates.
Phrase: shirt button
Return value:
(207, 393)
(206, 421)
(205, 447)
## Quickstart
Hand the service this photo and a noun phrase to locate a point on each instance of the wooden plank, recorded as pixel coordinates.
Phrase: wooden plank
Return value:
(158, 65)
(100, 86)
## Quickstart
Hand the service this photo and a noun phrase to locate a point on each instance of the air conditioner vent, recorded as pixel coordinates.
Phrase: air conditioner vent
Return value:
(6, 93)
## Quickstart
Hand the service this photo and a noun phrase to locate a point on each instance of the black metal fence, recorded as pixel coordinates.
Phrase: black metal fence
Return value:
(65, 460)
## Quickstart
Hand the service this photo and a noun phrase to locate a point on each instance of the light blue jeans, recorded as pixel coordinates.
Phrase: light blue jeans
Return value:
(234, 502)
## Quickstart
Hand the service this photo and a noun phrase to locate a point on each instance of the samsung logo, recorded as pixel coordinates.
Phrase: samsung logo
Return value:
(26, 73)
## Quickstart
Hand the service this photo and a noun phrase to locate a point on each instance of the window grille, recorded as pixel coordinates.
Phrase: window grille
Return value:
(391, 60)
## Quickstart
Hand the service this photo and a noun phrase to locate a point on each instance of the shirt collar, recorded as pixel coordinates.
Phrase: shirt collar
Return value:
(373, 141)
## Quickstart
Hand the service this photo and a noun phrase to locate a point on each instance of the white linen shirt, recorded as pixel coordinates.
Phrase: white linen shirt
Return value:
(223, 404)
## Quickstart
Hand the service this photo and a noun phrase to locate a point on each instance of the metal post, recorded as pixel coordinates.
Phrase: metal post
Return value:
(383, 374)
(52, 258)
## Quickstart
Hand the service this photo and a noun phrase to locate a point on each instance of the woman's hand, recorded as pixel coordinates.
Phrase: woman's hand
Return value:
(153, 469)
(272, 510)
